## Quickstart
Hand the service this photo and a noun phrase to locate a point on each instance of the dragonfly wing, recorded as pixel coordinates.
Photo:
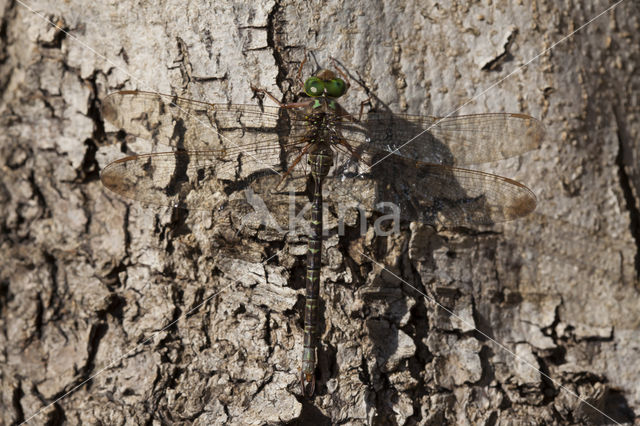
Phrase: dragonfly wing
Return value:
(256, 188)
(433, 193)
(191, 125)
(457, 140)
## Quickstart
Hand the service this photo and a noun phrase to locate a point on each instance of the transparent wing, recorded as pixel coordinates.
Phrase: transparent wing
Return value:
(429, 193)
(256, 188)
(191, 125)
(247, 154)
(243, 156)
(432, 193)
(458, 140)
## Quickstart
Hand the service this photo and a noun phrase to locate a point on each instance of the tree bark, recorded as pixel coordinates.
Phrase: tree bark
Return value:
(118, 313)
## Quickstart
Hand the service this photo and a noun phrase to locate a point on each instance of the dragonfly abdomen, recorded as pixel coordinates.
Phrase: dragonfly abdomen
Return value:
(320, 160)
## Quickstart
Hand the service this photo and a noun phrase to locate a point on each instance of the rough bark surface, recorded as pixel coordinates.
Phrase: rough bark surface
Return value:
(89, 282)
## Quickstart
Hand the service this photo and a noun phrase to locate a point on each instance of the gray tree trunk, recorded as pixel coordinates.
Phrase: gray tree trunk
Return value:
(90, 283)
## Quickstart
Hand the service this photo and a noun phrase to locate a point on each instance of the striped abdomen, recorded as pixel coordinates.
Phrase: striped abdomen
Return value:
(320, 161)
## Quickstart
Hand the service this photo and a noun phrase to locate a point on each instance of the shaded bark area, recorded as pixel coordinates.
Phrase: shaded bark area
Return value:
(119, 313)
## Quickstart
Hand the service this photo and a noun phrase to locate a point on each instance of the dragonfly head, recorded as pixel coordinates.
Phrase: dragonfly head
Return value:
(325, 83)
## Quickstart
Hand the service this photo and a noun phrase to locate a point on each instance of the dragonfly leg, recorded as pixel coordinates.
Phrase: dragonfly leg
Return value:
(273, 98)
(280, 104)
(346, 80)
(299, 74)
(362, 104)
(297, 104)
(341, 72)
(295, 162)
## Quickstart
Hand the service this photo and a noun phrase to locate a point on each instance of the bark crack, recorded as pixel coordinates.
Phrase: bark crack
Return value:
(272, 42)
(4, 42)
(496, 63)
(626, 185)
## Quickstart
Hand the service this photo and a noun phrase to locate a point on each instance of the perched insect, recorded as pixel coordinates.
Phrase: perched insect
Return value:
(227, 155)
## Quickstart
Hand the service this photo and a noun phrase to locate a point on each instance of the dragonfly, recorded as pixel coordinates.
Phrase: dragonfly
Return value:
(227, 156)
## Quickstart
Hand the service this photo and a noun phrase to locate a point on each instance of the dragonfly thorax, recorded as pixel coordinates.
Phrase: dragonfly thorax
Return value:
(323, 105)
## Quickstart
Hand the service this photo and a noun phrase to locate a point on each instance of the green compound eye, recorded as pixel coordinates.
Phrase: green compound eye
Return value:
(314, 87)
(336, 87)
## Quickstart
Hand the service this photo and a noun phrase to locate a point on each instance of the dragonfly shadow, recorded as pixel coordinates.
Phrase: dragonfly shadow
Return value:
(417, 181)
(443, 201)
